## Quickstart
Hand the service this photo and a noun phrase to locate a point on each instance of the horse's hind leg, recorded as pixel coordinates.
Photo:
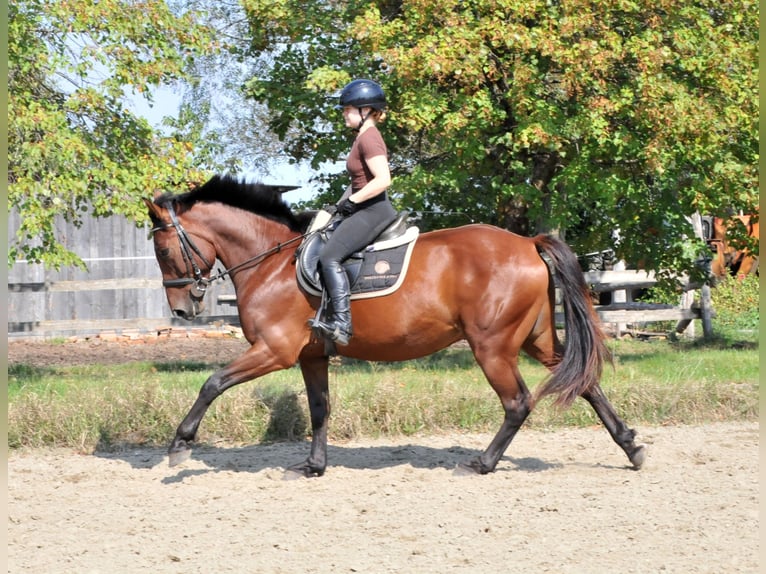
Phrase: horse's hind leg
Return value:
(546, 350)
(506, 380)
(620, 432)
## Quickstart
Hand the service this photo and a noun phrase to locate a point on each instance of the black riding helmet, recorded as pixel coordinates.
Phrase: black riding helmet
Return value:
(362, 94)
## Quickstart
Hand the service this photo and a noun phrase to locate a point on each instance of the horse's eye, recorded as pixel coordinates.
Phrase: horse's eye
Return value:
(164, 252)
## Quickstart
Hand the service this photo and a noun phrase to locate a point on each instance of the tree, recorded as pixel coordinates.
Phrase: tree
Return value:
(74, 147)
(214, 102)
(308, 56)
(578, 115)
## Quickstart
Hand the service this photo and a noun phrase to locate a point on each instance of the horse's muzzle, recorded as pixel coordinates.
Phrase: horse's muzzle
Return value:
(189, 311)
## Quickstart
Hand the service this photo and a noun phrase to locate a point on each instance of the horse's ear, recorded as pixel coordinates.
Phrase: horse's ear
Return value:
(154, 210)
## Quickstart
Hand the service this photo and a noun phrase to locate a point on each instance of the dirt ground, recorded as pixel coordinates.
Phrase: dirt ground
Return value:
(215, 345)
(562, 501)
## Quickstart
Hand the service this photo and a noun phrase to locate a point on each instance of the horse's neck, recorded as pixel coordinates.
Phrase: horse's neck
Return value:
(253, 245)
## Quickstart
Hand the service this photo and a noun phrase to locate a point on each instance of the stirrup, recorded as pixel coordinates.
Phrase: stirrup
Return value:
(330, 331)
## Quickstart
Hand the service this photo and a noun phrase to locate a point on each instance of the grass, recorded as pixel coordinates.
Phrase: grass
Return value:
(100, 408)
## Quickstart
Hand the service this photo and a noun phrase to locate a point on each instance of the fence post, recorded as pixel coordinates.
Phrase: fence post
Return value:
(706, 304)
(686, 325)
(706, 307)
(620, 296)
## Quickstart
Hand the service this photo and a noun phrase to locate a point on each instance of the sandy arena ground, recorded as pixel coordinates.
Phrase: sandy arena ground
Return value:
(563, 501)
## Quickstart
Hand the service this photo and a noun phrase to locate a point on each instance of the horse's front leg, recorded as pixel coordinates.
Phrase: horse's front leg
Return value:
(255, 362)
(317, 390)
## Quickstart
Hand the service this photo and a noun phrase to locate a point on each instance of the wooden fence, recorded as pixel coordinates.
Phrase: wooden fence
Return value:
(626, 314)
(122, 291)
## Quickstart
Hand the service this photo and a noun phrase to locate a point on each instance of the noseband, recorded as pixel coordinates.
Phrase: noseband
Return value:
(188, 249)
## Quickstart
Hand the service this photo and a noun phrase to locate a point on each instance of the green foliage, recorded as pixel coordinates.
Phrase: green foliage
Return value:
(736, 303)
(577, 115)
(74, 147)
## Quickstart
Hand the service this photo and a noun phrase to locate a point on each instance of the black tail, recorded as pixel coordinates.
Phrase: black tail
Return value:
(585, 350)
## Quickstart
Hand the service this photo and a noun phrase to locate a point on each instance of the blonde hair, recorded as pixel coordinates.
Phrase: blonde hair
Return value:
(378, 115)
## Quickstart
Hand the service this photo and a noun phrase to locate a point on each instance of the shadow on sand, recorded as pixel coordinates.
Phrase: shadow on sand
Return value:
(281, 455)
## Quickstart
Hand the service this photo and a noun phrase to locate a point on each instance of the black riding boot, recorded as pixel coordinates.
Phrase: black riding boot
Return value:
(338, 328)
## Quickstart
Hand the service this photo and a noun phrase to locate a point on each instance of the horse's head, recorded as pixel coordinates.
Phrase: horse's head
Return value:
(185, 257)
(239, 219)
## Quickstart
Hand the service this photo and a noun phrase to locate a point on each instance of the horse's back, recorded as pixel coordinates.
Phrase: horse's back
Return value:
(480, 246)
(478, 263)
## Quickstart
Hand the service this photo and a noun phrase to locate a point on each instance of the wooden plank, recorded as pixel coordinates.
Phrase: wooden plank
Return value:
(634, 306)
(611, 280)
(707, 312)
(86, 285)
(56, 328)
(629, 279)
(645, 316)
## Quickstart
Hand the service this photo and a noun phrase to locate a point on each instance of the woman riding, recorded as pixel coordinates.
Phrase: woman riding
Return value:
(366, 211)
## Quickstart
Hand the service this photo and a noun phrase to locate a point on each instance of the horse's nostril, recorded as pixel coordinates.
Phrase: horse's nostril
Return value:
(180, 313)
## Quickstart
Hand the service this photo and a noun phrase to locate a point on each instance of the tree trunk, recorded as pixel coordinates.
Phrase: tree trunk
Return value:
(544, 168)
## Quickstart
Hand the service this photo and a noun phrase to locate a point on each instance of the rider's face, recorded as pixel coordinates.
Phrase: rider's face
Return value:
(352, 116)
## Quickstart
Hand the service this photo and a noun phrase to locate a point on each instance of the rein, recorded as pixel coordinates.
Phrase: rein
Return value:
(189, 248)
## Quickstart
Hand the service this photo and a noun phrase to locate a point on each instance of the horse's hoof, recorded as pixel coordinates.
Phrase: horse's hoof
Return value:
(179, 457)
(638, 457)
(302, 470)
(474, 466)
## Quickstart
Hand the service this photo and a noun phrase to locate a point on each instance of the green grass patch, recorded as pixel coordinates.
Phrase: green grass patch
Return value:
(109, 407)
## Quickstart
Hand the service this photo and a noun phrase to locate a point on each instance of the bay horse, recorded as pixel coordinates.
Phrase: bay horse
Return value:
(478, 282)
(729, 259)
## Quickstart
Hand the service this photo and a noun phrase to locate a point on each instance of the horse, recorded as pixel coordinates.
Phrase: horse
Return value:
(477, 283)
(728, 259)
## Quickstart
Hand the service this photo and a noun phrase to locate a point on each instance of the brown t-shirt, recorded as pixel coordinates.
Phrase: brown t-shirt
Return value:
(366, 145)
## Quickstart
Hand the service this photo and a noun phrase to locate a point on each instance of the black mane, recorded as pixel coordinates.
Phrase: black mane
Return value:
(264, 200)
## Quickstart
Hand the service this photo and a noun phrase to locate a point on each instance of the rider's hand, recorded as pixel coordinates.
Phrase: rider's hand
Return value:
(347, 208)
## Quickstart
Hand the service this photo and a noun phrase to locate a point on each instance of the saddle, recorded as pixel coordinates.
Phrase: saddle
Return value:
(375, 271)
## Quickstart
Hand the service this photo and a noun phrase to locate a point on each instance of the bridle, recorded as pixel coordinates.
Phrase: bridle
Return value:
(188, 249)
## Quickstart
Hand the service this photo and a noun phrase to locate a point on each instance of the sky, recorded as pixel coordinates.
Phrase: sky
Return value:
(167, 102)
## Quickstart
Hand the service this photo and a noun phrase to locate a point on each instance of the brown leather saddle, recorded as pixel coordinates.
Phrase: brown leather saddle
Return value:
(377, 270)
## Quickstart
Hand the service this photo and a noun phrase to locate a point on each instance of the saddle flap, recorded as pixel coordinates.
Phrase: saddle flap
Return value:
(307, 262)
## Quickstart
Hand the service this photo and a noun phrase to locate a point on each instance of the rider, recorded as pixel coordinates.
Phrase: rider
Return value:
(366, 210)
